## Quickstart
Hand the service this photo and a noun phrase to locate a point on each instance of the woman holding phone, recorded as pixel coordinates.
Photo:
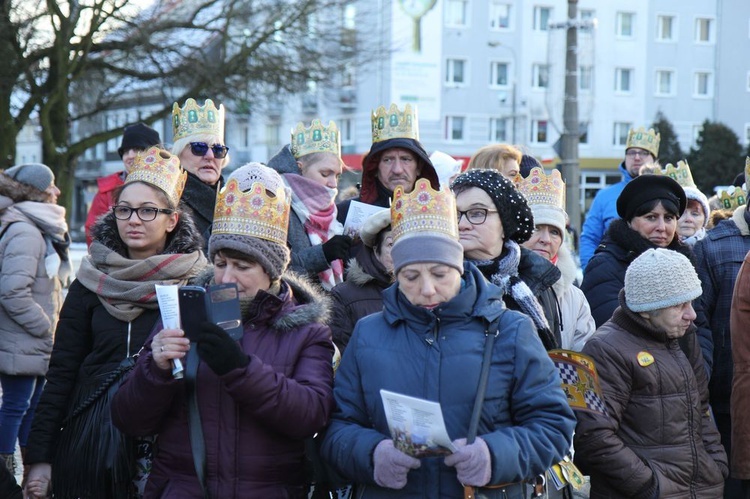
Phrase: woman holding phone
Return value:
(258, 398)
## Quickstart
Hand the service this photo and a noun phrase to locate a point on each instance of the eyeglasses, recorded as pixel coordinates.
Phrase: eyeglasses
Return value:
(201, 148)
(145, 213)
(475, 216)
(633, 153)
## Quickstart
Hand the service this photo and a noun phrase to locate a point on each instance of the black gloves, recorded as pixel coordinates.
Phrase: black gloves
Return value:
(218, 350)
(337, 248)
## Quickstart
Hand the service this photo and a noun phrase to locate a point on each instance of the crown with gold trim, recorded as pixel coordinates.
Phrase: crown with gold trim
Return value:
(192, 119)
(733, 198)
(423, 210)
(394, 123)
(317, 138)
(648, 140)
(539, 188)
(161, 169)
(253, 213)
(681, 173)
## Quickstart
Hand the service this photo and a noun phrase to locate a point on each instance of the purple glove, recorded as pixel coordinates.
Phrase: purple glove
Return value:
(392, 465)
(473, 463)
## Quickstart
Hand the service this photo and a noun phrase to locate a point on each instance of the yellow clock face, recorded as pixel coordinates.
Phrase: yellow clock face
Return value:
(417, 8)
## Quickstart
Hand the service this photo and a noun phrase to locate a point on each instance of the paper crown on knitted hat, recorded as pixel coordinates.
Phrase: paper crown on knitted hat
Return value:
(648, 140)
(192, 119)
(732, 198)
(317, 138)
(646, 287)
(392, 123)
(424, 227)
(161, 169)
(545, 195)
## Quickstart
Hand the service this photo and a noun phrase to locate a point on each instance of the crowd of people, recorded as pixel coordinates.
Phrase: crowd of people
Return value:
(460, 288)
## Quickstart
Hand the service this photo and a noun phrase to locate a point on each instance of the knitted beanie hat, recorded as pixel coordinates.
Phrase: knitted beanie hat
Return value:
(514, 211)
(36, 175)
(545, 214)
(660, 278)
(138, 136)
(694, 194)
(646, 188)
(527, 163)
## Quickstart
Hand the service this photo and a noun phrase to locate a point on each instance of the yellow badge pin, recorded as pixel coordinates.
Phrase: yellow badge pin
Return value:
(645, 359)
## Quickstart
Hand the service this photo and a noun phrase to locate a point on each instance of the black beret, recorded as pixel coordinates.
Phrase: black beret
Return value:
(647, 188)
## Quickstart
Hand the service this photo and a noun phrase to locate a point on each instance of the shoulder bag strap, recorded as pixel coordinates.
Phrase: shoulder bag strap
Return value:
(197, 443)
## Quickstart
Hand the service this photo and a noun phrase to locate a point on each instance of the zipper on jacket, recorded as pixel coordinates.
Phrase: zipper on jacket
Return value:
(675, 347)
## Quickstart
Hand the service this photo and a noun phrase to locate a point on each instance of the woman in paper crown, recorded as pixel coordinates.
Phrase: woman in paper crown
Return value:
(311, 166)
(257, 398)
(109, 312)
(429, 343)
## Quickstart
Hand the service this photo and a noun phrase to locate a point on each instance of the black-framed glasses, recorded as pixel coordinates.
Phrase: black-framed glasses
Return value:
(475, 216)
(145, 213)
(201, 148)
(634, 152)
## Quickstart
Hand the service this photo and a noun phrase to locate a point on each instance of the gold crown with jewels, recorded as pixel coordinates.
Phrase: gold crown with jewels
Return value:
(393, 123)
(317, 138)
(539, 188)
(192, 119)
(253, 213)
(161, 169)
(680, 173)
(648, 140)
(423, 210)
(733, 198)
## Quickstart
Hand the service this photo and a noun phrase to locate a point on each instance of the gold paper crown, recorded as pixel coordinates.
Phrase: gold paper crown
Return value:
(161, 169)
(681, 174)
(394, 124)
(539, 188)
(317, 138)
(644, 140)
(253, 213)
(423, 210)
(192, 119)
(732, 199)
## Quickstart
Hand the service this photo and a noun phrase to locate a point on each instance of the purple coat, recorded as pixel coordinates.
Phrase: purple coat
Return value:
(254, 419)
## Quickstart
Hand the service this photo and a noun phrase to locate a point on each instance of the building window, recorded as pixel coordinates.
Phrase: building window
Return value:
(540, 76)
(349, 76)
(456, 13)
(704, 84)
(498, 130)
(665, 28)
(350, 16)
(585, 78)
(704, 30)
(623, 77)
(624, 26)
(588, 18)
(499, 74)
(499, 15)
(665, 82)
(272, 134)
(542, 16)
(620, 135)
(539, 131)
(454, 128)
(455, 72)
(346, 128)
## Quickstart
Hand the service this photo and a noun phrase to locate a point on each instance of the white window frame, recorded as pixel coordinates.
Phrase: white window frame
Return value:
(450, 72)
(709, 84)
(618, 81)
(346, 131)
(507, 123)
(494, 69)
(537, 72)
(660, 34)
(466, 14)
(448, 132)
(711, 31)
(494, 15)
(672, 91)
(620, 131)
(619, 24)
(535, 131)
(538, 24)
(586, 70)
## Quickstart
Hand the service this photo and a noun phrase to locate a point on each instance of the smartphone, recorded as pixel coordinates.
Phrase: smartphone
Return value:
(219, 304)
(192, 310)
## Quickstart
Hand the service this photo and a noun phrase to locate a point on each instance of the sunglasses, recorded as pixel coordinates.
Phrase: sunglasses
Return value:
(201, 148)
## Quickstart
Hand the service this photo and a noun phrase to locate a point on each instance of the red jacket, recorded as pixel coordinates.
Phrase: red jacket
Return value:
(102, 200)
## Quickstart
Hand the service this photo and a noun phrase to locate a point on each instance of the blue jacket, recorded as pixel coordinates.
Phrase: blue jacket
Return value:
(719, 257)
(602, 211)
(437, 355)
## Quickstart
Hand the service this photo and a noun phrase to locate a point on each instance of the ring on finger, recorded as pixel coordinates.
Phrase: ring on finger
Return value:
(161, 348)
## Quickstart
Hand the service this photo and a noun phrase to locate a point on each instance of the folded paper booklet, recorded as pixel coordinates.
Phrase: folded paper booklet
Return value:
(356, 216)
(416, 425)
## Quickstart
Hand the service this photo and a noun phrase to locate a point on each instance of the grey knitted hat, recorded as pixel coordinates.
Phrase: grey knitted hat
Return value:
(36, 175)
(660, 278)
(274, 258)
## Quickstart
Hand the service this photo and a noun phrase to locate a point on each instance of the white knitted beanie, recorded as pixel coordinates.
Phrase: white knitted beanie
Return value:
(693, 193)
(660, 278)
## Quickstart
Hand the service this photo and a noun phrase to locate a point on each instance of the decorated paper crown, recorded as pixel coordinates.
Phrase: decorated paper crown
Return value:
(394, 124)
(539, 188)
(161, 169)
(733, 198)
(317, 138)
(423, 210)
(192, 119)
(253, 213)
(648, 140)
(681, 173)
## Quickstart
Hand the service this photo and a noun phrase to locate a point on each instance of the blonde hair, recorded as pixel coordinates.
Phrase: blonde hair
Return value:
(492, 156)
(208, 138)
(649, 168)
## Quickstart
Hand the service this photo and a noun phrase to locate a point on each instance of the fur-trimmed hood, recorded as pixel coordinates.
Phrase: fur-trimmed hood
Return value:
(185, 238)
(738, 217)
(16, 191)
(567, 267)
(364, 268)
